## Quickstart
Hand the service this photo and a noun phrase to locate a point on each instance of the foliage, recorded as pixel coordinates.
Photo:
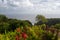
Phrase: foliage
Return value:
(29, 33)
(40, 18)
(48, 21)
(13, 29)
(9, 24)
(57, 26)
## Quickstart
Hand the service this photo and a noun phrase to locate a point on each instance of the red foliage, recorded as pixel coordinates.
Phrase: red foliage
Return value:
(17, 37)
(18, 29)
(24, 35)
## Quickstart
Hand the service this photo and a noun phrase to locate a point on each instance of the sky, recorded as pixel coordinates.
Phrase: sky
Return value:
(28, 9)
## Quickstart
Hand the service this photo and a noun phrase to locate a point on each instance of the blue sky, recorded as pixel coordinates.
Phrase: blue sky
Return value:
(25, 9)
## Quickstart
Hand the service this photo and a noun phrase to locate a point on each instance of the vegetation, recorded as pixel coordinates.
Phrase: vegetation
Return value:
(44, 29)
(7, 24)
(41, 18)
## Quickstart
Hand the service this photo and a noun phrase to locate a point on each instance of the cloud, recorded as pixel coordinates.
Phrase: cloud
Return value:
(31, 6)
(16, 3)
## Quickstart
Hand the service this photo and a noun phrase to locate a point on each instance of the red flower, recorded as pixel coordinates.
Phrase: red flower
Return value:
(24, 35)
(18, 29)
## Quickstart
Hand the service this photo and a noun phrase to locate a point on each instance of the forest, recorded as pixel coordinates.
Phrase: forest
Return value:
(43, 29)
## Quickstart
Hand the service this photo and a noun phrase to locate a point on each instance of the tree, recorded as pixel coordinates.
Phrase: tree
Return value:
(57, 26)
(40, 18)
(28, 23)
(3, 18)
(4, 26)
(53, 21)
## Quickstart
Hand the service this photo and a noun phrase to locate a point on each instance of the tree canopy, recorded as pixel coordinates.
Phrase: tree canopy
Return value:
(40, 18)
(10, 24)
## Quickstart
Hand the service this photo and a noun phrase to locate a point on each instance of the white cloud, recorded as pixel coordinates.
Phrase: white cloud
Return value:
(15, 3)
(32, 6)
